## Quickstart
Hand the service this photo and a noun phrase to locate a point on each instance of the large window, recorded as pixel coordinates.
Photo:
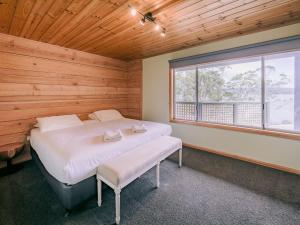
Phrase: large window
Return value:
(259, 92)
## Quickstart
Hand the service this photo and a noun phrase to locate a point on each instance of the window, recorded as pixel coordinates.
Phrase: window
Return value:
(282, 91)
(261, 92)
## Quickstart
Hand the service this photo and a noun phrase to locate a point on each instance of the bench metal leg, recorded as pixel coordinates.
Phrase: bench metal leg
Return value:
(118, 205)
(180, 157)
(157, 175)
(99, 190)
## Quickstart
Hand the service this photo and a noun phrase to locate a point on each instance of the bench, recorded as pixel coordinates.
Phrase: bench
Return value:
(121, 171)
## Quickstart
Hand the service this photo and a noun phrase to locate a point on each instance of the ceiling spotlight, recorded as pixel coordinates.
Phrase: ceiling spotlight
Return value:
(148, 17)
(142, 21)
(157, 27)
(133, 11)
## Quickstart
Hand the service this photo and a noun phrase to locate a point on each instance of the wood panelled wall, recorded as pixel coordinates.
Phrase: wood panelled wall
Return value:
(134, 85)
(38, 79)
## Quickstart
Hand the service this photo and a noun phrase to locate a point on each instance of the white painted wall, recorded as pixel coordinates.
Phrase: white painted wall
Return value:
(274, 150)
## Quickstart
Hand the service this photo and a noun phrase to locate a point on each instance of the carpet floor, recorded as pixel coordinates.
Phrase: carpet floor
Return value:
(186, 196)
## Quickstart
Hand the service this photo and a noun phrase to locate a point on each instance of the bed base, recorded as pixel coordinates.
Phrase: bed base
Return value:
(70, 196)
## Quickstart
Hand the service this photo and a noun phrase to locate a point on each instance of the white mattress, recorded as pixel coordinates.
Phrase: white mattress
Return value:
(73, 154)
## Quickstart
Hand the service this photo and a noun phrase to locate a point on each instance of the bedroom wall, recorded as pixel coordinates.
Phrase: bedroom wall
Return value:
(266, 149)
(38, 79)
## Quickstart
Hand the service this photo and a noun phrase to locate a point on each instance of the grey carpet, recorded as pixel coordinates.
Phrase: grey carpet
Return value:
(275, 183)
(186, 196)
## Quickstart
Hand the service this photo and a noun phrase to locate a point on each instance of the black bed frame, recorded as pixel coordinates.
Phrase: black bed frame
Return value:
(70, 196)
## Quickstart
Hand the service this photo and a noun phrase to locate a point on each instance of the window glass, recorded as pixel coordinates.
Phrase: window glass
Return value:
(282, 103)
(230, 92)
(185, 94)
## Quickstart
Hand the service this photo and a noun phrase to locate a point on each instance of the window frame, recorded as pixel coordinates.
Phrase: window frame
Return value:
(293, 135)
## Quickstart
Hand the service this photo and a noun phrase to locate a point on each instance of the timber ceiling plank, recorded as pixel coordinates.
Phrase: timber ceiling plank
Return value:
(115, 25)
(248, 24)
(90, 32)
(207, 23)
(123, 27)
(84, 25)
(7, 10)
(78, 16)
(35, 17)
(21, 13)
(56, 9)
(64, 20)
(105, 27)
(206, 7)
(183, 38)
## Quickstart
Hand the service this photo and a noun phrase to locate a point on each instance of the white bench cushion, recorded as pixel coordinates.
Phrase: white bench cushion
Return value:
(128, 165)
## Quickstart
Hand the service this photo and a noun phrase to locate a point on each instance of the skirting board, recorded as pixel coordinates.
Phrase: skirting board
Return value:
(270, 165)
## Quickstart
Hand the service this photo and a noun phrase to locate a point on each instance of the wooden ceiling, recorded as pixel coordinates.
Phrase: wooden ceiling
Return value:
(105, 27)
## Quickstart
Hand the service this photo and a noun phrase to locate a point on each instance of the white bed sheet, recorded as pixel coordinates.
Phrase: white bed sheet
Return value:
(73, 154)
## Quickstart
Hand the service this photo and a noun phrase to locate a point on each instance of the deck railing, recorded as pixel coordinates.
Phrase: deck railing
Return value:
(237, 113)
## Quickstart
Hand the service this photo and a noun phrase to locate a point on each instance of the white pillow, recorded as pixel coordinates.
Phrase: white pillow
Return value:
(90, 121)
(93, 116)
(58, 122)
(106, 115)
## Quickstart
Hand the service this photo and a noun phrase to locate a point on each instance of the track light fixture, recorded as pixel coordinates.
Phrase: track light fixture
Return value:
(157, 27)
(163, 33)
(150, 18)
(142, 21)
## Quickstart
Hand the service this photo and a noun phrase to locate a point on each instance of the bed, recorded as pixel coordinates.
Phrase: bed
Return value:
(68, 158)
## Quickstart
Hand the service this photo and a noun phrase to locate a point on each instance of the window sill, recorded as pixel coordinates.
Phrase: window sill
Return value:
(273, 133)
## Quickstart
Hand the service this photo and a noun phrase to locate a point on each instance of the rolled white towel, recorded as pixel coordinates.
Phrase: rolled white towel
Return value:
(110, 136)
(141, 128)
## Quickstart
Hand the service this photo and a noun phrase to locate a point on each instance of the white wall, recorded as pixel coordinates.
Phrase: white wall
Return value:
(268, 149)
